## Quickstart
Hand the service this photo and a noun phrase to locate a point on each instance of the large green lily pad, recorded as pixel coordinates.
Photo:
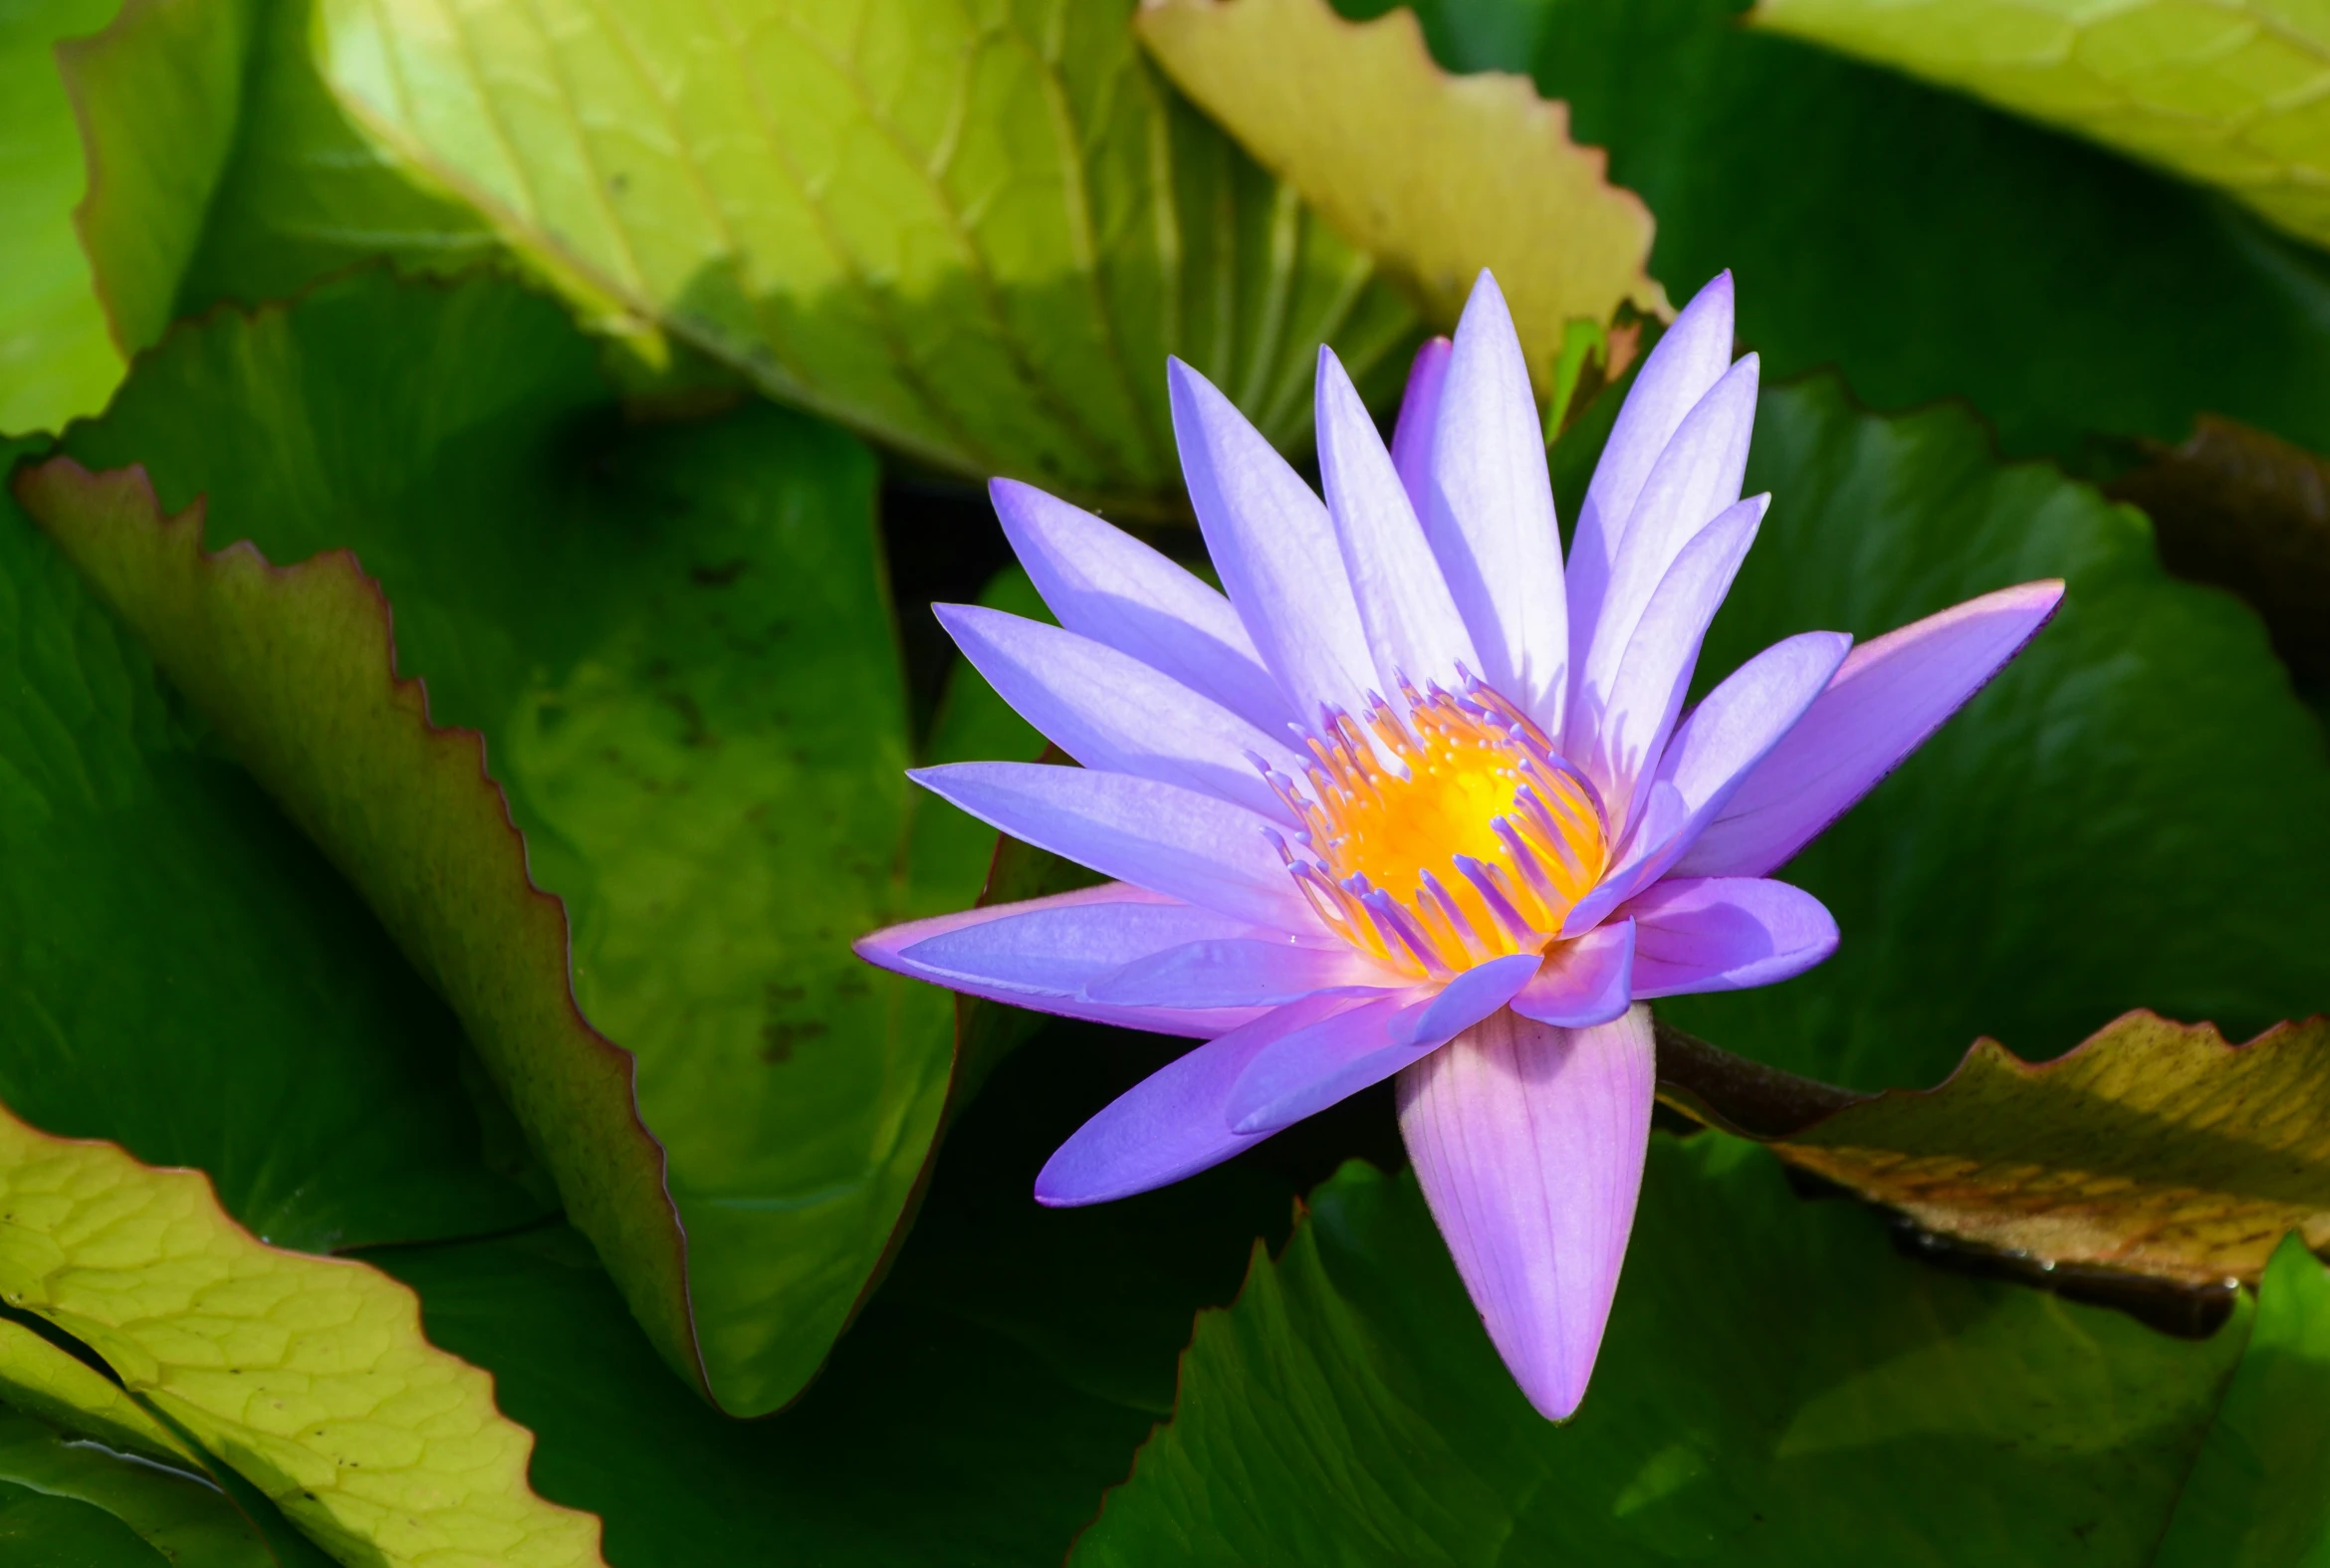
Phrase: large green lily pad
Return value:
(673, 647)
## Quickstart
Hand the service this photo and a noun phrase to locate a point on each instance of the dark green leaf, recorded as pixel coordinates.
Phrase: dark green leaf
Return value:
(1777, 1385)
(65, 1502)
(179, 971)
(2136, 813)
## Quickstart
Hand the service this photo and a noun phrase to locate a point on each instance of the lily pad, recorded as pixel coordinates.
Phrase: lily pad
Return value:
(307, 1375)
(167, 941)
(670, 646)
(2135, 815)
(1437, 176)
(972, 237)
(2227, 93)
(1777, 1385)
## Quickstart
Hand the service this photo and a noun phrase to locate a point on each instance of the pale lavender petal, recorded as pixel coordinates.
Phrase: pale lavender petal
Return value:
(1712, 752)
(1696, 477)
(1724, 933)
(1105, 585)
(1000, 953)
(1529, 1142)
(1627, 727)
(1173, 1123)
(1110, 711)
(1414, 633)
(1411, 447)
(1490, 513)
(1155, 835)
(1887, 698)
(1306, 1072)
(1274, 547)
(1244, 972)
(1583, 982)
(1688, 360)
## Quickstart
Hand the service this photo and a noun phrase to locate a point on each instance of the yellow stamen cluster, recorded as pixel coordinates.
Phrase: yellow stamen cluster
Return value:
(1443, 836)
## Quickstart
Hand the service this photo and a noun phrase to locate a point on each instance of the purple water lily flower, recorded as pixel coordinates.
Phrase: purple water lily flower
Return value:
(1411, 799)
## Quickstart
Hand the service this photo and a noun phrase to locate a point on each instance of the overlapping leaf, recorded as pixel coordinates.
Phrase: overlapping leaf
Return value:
(182, 973)
(2136, 814)
(65, 1503)
(2230, 91)
(1437, 176)
(1777, 1385)
(309, 1376)
(674, 645)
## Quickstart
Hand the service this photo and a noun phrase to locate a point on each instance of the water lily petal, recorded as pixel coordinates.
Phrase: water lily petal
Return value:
(1241, 972)
(1687, 361)
(1883, 703)
(1274, 547)
(1586, 981)
(1411, 447)
(1310, 1070)
(1105, 585)
(1695, 934)
(1155, 835)
(1110, 711)
(1038, 954)
(1490, 513)
(1627, 725)
(1414, 633)
(1173, 1123)
(1696, 477)
(1714, 748)
(1529, 1142)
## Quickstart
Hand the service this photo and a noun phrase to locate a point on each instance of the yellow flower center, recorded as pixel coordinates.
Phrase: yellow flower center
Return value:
(1446, 836)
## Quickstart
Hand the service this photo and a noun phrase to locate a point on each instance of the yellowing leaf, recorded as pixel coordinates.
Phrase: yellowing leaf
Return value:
(2234, 92)
(307, 1375)
(2153, 1146)
(41, 1380)
(1437, 175)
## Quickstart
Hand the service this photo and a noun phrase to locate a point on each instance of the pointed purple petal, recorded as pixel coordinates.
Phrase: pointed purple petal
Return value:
(1037, 953)
(1696, 477)
(1105, 585)
(1413, 630)
(1173, 1123)
(1584, 981)
(1628, 724)
(1688, 360)
(1275, 546)
(1238, 973)
(1725, 934)
(1491, 515)
(1160, 837)
(1740, 721)
(1306, 1072)
(1529, 1142)
(1411, 447)
(1888, 696)
(1109, 710)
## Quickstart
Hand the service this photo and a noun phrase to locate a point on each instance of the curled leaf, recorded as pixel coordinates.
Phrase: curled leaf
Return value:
(1439, 175)
(310, 1376)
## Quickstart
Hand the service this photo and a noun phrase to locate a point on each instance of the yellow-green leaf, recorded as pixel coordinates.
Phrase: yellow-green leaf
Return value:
(1439, 175)
(2228, 92)
(41, 1380)
(972, 233)
(307, 1375)
(2151, 1148)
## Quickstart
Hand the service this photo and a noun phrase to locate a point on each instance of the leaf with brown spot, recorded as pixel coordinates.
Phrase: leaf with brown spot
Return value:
(1437, 175)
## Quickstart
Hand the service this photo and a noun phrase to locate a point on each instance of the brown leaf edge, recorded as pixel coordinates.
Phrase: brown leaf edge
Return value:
(1789, 1114)
(622, 1204)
